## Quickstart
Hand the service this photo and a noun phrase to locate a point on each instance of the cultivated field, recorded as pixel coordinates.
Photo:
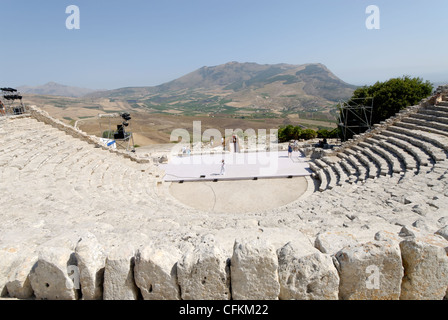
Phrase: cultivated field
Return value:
(150, 127)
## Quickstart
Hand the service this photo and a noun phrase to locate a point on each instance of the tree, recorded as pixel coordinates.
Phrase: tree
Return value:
(323, 133)
(391, 96)
(289, 132)
(285, 133)
(308, 134)
(296, 132)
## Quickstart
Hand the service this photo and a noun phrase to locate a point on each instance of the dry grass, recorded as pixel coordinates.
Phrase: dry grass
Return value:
(150, 128)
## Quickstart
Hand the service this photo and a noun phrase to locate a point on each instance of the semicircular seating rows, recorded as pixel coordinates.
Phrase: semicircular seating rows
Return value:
(400, 148)
(37, 159)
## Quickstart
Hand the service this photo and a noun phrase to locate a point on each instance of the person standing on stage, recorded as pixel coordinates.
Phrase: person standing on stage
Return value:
(223, 167)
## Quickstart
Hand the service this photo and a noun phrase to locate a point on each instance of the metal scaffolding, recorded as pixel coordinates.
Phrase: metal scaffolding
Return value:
(11, 102)
(355, 117)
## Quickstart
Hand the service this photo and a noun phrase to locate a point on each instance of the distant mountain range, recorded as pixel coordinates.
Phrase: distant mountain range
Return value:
(231, 88)
(242, 85)
(55, 89)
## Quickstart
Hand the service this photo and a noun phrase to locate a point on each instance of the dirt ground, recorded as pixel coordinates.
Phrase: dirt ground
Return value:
(157, 128)
(148, 128)
(239, 196)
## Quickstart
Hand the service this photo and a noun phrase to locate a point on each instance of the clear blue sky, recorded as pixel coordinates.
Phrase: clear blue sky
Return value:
(145, 43)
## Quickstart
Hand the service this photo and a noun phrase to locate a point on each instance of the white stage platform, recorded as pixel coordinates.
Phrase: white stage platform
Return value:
(238, 166)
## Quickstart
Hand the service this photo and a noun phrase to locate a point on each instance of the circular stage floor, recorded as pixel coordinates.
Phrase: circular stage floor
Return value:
(239, 196)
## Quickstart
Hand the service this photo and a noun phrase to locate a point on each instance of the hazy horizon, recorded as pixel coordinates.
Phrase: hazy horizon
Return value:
(148, 43)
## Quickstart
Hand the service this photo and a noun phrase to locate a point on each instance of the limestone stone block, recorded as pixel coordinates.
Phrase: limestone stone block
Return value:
(331, 242)
(91, 257)
(203, 272)
(7, 257)
(387, 236)
(306, 274)
(155, 274)
(254, 271)
(50, 277)
(19, 284)
(119, 275)
(370, 271)
(443, 232)
(425, 264)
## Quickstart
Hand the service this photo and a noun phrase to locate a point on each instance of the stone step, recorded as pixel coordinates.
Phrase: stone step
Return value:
(433, 112)
(362, 164)
(403, 156)
(343, 177)
(114, 178)
(314, 167)
(331, 173)
(352, 173)
(61, 150)
(436, 137)
(415, 127)
(406, 158)
(332, 177)
(362, 170)
(378, 164)
(421, 157)
(373, 170)
(429, 117)
(70, 163)
(322, 164)
(324, 181)
(96, 176)
(429, 153)
(428, 125)
(83, 168)
(348, 167)
(389, 156)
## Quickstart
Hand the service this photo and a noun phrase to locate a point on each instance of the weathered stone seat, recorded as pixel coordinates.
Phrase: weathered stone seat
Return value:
(349, 168)
(324, 180)
(381, 162)
(387, 154)
(431, 143)
(343, 177)
(431, 126)
(439, 118)
(405, 158)
(421, 158)
(420, 149)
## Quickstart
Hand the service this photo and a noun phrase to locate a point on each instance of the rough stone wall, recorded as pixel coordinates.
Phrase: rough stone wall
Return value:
(44, 117)
(410, 266)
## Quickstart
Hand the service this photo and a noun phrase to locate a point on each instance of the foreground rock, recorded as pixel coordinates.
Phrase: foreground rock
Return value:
(425, 264)
(331, 242)
(19, 284)
(306, 274)
(119, 275)
(370, 271)
(254, 270)
(156, 274)
(91, 258)
(50, 278)
(203, 273)
(8, 256)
